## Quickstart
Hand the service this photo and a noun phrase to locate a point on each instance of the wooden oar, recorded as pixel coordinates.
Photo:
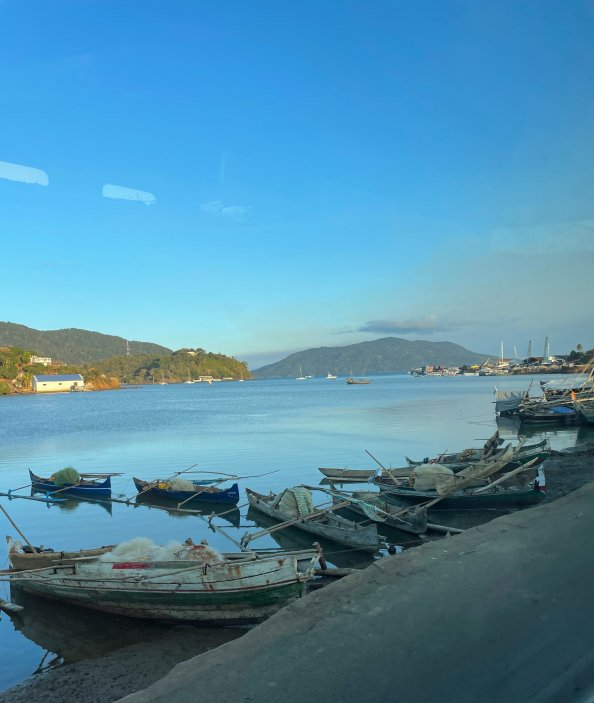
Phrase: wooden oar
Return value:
(12, 522)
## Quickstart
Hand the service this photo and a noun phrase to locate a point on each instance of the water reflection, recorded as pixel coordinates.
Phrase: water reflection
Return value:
(68, 634)
(205, 510)
(70, 504)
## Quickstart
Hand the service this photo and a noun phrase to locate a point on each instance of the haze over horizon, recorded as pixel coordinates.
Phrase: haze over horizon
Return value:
(258, 179)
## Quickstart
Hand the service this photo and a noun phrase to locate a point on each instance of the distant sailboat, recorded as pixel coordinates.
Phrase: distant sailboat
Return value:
(330, 376)
(301, 377)
(162, 382)
(189, 379)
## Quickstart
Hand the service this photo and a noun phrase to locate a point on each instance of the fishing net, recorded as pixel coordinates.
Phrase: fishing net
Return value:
(371, 511)
(296, 502)
(66, 476)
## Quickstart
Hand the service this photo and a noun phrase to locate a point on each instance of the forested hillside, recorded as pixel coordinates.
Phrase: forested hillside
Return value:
(73, 346)
(387, 355)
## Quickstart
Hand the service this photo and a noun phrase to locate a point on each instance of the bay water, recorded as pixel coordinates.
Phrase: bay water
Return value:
(277, 432)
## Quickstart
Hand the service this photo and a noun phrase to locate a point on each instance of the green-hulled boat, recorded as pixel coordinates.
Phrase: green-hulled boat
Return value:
(484, 498)
(232, 591)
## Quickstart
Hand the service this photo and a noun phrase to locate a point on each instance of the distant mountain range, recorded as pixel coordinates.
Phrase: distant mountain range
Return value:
(387, 355)
(73, 346)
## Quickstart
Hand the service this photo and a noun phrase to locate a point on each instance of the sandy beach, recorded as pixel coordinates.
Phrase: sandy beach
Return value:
(131, 668)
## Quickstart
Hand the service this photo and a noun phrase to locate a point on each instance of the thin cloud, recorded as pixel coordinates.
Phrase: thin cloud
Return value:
(124, 193)
(217, 208)
(426, 324)
(23, 174)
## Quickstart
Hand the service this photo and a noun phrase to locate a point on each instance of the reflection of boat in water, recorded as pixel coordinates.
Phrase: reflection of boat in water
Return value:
(69, 504)
(71, 633)
(193, 508)
(291, 539)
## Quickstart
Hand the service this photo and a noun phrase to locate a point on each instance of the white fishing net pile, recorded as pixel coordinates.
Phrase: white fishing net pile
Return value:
(141, 549)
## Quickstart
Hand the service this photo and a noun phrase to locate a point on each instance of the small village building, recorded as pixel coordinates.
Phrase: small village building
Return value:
(45, 360)
(58, 383)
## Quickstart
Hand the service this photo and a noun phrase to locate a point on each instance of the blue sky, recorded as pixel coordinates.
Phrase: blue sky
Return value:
(257, 178)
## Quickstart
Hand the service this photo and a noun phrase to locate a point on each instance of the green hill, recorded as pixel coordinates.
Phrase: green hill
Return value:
(387, 355)
(73, 346)
(180, 366)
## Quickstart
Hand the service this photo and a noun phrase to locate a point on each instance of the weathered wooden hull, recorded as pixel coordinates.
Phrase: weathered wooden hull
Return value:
(213, 594)
(349, 475)
(465, 501)
(537, 451)
(41, 560)
(228, 496)
(413, 524)
(89, 489)
(331, 527)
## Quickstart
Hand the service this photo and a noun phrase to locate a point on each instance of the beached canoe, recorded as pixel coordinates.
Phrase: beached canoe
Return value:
(466, 457)
(483, 498)
(181, 490)
(211, 589)
(294, 505)
(87, 488)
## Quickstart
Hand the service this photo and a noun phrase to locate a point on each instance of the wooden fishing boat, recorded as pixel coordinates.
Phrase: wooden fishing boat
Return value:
(295, 507)
(545, 414)
(482, 498)
(21, 558)
(86, 487)
(357, 381)
(349, 475)
(179, 491)
(460, 460)
(217, 591)
(372, 507)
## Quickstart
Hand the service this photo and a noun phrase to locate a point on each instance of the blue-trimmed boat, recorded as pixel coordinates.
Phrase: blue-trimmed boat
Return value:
(85, 488)
(198, 492)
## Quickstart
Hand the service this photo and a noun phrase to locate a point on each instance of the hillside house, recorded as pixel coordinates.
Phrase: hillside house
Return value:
(58, 383)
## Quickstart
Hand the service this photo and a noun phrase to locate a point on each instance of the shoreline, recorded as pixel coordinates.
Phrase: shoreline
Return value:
(118, 673)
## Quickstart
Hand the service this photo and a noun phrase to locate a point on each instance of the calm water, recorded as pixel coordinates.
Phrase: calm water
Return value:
(285, 427)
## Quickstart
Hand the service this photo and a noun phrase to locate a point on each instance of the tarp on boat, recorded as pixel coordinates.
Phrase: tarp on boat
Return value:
(508, 400)
(295, 502)
(426, 477)
(578, 382)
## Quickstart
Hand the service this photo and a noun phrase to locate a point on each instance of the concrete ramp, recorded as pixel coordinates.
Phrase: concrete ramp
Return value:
(503, 612)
